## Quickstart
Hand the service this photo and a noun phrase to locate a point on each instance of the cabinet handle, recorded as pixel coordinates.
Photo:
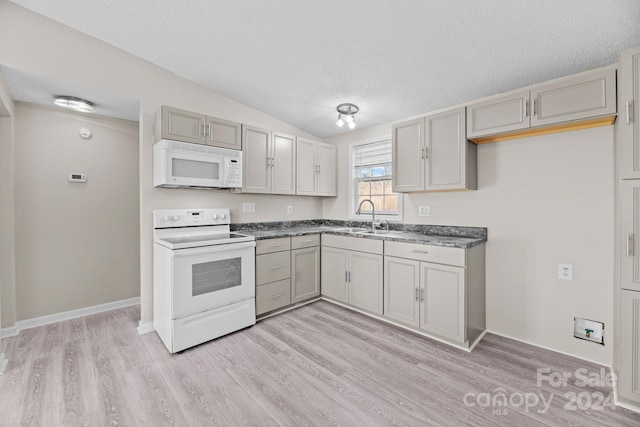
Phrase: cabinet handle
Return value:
(276, 245)
(629, 245)
(526, 108)
(534, 106)
(629, 112)
(276, 296)
(349, 274)
(416, 251)
(204, 130)
(307, 241)
(426, 153)
(421, 295)
(346, 277)
(417, 294)
(293, 278)
(209, 134)
(276, 267)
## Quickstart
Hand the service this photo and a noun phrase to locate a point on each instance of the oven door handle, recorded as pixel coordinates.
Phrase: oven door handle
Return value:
(212, 249)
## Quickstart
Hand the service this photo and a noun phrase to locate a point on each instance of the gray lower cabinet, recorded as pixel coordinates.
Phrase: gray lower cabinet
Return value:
(352, 271)
(273, 270)
(630, 227)
(305, 267)
(287, 271)
(629, 375)
(439, 290)
(187, 126)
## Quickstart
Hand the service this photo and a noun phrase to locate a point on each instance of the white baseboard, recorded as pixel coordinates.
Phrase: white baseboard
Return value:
(145, 328)
(66, 315)
(3, 363)
(550, 349)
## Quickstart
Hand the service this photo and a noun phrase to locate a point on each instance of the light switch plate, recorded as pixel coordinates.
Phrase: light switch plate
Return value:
(589, 330)
(289, 210)
(424, 211)
(249, 207)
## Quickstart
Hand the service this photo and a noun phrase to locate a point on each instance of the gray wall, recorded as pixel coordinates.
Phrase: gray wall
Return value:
(76, 243)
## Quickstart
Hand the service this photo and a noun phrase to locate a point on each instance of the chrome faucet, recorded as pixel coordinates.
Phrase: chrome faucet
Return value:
(373, 213)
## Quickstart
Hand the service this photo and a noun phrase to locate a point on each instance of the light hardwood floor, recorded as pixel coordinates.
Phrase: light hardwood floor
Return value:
(318, 365)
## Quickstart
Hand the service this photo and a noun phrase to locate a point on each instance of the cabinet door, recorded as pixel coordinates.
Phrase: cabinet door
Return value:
(306, 175)
(630, 228)
(629, 108)
(181, 125)
(327, 171)
(401, 290)
(334, 273)
(223, 133)
(503, 114)
(589, 95)
(407, 156)
(283, 166)
(629, 378)
(256, 158)
(305, 274)
(446, 155)
(442, 301)
(365, 281)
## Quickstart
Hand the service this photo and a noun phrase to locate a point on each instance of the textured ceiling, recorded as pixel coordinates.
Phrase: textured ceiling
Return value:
(297, 59)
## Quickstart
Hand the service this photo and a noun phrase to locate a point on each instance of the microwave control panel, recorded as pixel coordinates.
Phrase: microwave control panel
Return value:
(235, 173)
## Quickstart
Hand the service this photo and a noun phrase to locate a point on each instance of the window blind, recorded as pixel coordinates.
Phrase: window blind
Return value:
(372, 154)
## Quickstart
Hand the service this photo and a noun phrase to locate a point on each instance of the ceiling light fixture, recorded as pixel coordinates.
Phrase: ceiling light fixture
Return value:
(74, 103)
(346, 114)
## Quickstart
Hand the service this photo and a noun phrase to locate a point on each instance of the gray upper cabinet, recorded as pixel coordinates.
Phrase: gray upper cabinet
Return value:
(187, 126)
(316, 173)
(269, 161)
(629, 107)
(223, 133)
(256, 168)
(503, 114)
(584, 96)
(181, 125)
(433, 154)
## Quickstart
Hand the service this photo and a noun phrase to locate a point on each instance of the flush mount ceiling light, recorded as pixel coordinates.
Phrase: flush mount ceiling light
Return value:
(74, 103)
(346, 114)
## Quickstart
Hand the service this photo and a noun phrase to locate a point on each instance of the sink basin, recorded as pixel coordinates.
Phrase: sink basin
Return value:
(377, 232)
(351, 230)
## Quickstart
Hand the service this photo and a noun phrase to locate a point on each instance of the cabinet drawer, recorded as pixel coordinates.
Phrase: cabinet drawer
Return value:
(437, 254)
(272, 296)
(300, 242)
(273, 245)
(273, 267)
(353, 243)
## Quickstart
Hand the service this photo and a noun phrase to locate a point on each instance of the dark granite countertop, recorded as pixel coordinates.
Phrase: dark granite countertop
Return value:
(449, 236)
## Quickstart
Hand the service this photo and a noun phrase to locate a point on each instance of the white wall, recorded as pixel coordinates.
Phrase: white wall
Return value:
(545, 200)
(76, 243)
(48, 48)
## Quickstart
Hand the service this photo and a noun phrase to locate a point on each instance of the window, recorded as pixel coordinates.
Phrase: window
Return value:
(371, 177)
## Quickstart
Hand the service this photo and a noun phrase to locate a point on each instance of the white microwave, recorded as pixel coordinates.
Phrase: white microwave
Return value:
(182, 164)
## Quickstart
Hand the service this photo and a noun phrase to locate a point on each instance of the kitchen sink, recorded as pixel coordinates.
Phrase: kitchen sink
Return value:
(351, 230)
(373, 232)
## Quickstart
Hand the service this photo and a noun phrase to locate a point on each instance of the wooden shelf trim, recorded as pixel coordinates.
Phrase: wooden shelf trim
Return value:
(543, 130)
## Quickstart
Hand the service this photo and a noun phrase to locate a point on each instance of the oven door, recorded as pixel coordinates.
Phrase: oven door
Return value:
(196, 170)
(210, 277)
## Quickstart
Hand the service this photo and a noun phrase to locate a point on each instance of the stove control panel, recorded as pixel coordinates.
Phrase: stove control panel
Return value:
(169, 218)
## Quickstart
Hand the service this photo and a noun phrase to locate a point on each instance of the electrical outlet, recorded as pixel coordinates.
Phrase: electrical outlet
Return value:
(289, 210)
(249, 207)
(565, 271)
(424, 211)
